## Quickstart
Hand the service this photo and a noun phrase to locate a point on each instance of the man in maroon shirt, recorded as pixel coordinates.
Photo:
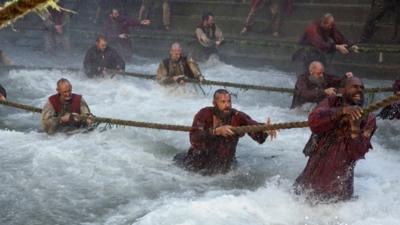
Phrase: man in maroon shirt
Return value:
(213, 142)
(314, 85)
(344, 135)
(320, 39)
(116, 30)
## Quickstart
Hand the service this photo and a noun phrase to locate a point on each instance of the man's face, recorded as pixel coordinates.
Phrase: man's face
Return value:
(175, 53)
(317, 72)
(114, 14)
(65, 92)
(354, 92)
(210, 21)
(101, 44)
(223, 103)
(327, 23)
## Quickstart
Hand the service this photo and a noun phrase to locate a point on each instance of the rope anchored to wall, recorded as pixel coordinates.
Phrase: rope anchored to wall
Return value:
(238, 130)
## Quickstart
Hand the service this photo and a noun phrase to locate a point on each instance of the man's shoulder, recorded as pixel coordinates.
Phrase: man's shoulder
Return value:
(206, 110)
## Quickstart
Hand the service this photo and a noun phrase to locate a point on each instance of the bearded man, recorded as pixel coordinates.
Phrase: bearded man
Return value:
(213, 141)
(314, 85)
(344, 136)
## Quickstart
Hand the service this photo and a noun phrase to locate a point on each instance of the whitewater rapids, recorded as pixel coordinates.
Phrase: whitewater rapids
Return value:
(123, 176)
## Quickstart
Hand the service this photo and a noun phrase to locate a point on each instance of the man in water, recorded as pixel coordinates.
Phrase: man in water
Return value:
(213, 141)
(392, 111)
(3, 93)
(100, 59)
(344, 136)
(177, 67)
(65, 111)
(4, 59)
(321, 39)
(314, 85)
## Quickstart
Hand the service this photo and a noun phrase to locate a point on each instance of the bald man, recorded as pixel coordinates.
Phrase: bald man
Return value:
(65, 111)
(322, 38)
(344, 137)
(177, 68)
(314, 85)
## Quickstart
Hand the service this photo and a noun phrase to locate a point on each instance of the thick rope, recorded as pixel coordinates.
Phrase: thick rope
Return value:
(205, 82)
(238, 130)
(257, 128)
(18, 8)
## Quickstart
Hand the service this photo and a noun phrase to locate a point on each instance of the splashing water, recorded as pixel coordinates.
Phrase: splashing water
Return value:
(126, 176)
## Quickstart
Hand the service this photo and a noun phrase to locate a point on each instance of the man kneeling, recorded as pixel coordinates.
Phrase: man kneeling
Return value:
(65, 111)
(213, 141)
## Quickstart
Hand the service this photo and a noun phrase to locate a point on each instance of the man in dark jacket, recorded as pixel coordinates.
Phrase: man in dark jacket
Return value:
(117, 31)
(315, 85)
(3, 93)
(100, 58)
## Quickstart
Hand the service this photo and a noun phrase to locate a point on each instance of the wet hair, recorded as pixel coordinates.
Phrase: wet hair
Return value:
(101, 37)
(63, 81)
(176, 45)
(326, 16)
(344, 81)
(206, 15)
(314, 64)
(221, 91)
(396, 86)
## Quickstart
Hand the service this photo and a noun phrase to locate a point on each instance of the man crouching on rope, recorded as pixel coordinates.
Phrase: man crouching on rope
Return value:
(65, 111)
(212, 138)
(177, 68)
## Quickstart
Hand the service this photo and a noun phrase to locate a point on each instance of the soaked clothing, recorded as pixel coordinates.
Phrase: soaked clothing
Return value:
(307, 91)
(318, 44)
(282, 6)
(210, 153)
(184, 66)
(329, 173)
(146, 7)
(54, 110)
(96, 62)
(378, 9)
(113, 28)
(3, 91)
(392, 111)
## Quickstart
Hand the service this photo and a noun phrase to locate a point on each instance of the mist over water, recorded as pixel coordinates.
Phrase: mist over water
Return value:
(125, 175)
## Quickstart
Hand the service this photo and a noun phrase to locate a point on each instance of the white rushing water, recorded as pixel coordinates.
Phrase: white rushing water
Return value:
(126, 176)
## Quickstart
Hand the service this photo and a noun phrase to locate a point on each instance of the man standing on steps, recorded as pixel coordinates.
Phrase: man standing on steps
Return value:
(146, 7)
(320, 40)
(100, 58)
(315, 85)
(117, 32)
(344, 137)
(56, 36)
(276, 9)
(378, 9)
(213, 142)
(177, 68)
(65, 111)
